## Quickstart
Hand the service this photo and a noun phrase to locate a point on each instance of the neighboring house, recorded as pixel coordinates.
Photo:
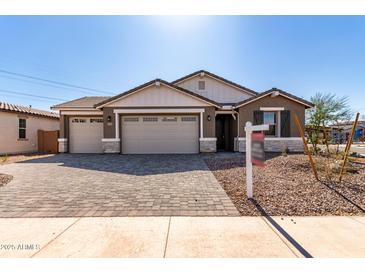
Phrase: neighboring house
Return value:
(200, 112)
(342, 131)
(19, 127)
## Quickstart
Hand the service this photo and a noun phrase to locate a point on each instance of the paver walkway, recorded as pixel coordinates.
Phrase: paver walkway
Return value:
(72, 185)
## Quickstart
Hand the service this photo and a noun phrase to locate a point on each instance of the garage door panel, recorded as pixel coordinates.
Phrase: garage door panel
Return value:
(160, 134)
(86, 134)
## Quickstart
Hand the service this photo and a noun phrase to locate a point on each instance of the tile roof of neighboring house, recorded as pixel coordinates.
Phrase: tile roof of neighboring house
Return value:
(217, 77)
(84, 102)
(27, 110)
(285, 94)
(108, 100)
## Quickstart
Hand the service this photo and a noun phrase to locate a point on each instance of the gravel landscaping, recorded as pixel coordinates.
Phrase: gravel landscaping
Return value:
(4, 179)
(286, 186)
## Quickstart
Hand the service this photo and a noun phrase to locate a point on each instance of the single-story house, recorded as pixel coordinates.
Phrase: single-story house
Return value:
(342, 131)
(19, 127)
(200, 112)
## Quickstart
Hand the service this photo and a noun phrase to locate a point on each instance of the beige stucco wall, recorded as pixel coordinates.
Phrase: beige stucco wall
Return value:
(215, 90)
(9, 132)
(246, 112)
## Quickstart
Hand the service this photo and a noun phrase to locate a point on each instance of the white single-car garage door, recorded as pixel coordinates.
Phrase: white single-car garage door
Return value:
(160, 134)
(86, 134)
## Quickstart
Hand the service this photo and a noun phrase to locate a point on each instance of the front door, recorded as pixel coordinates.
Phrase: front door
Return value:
(223, 132)
(219, 132)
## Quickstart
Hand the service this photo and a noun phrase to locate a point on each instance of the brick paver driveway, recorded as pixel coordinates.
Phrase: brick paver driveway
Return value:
(113, 185)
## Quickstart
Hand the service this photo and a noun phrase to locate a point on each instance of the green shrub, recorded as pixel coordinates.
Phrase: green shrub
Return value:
(285, 152)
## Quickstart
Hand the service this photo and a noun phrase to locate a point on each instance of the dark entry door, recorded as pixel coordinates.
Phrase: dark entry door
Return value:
(219, 132)
(223, 132)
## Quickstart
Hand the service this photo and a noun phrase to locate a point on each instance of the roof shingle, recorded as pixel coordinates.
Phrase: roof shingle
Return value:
(84, 102)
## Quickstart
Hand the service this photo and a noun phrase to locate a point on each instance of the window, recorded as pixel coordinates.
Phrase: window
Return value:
(22, 128)
(131, 119)
(78, 120)
(150, 119)
(169, 119)
(270, 118)
(96, 120)
(188, 119)
(201, 85)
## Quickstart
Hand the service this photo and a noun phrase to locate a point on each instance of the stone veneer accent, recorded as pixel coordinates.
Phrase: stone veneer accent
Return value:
(62, 145)
(111, 145)
(294, 144)
(208, 144)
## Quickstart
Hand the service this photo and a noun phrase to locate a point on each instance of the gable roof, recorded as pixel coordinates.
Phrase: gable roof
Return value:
(292, 97)
(84, 102)
(136, 89)
(27, 110)
(242, 88)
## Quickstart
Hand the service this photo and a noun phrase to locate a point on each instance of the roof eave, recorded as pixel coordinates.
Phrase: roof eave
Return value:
(147, 84)
(306, 104)
(238, 86)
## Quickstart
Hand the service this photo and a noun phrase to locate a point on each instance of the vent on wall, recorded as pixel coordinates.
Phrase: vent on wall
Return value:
(201, 85)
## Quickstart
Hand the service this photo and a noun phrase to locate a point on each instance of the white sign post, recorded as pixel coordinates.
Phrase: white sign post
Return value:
(249, 128)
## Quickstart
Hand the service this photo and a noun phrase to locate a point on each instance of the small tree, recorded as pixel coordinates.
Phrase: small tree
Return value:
(329, 109)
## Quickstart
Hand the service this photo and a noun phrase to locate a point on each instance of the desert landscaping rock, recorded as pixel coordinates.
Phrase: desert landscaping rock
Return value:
(286, 186)
(4, 179)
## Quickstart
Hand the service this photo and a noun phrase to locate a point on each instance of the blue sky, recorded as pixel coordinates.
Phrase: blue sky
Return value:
(299, 54)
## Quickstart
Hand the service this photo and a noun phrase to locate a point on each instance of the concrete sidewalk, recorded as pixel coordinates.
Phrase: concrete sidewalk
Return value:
(173, 237)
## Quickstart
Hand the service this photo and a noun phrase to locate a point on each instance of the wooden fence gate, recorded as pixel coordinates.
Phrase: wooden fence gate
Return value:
(47, 141)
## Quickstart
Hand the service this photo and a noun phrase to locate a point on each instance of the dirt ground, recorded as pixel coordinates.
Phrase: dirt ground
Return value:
(8, 159)
(286, 186)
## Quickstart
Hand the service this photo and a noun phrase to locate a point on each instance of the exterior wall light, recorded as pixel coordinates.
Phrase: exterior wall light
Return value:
(109, 119)
(209, 118)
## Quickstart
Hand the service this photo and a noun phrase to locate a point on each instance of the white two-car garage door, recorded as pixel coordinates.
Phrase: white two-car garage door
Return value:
(160, 134)
(86, 134)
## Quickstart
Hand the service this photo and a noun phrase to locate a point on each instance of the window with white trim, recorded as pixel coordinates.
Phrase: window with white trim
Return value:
(270, 118)
(22, 128)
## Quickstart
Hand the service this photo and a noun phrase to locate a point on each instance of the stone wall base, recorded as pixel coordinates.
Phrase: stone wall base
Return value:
(208, 144)
(62, 145)
(239, 144)
(111, 145)
(293, 144)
